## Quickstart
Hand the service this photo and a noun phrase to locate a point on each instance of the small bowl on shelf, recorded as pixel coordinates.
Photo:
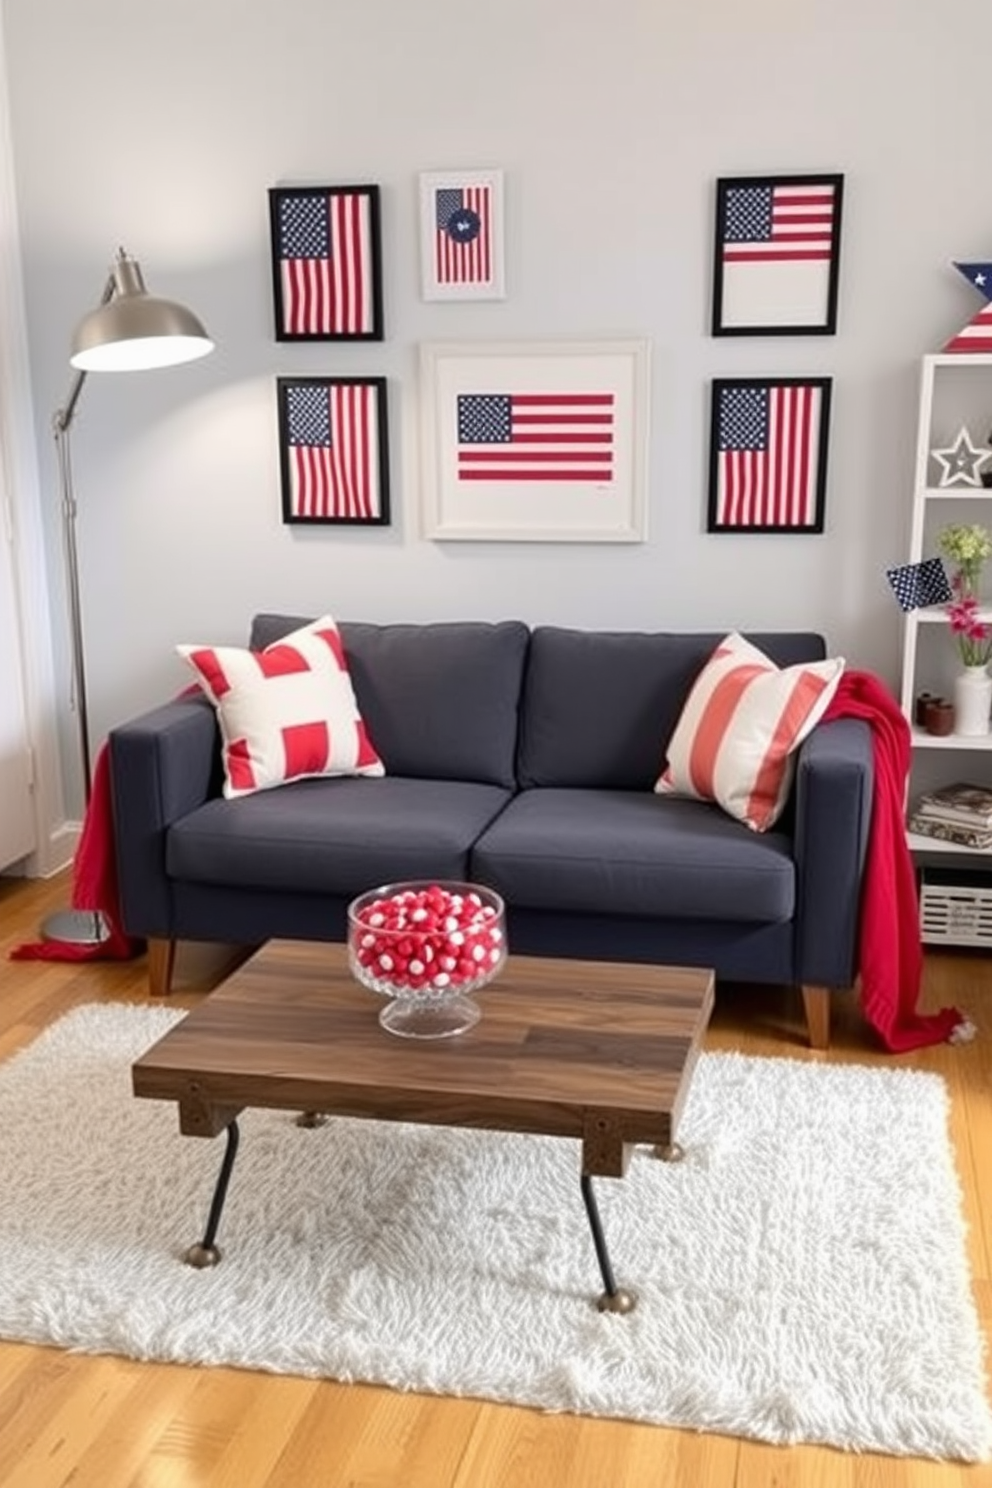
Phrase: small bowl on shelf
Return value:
(427, 946)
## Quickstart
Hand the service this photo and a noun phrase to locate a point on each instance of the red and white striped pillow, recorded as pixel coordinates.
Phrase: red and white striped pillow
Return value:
(744, 719)
(286, 712)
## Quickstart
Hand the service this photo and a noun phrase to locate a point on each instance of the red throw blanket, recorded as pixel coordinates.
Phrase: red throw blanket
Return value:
(890, 951)
(94, 883)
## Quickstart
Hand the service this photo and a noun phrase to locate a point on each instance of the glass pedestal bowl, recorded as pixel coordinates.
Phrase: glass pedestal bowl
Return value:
(427, 946)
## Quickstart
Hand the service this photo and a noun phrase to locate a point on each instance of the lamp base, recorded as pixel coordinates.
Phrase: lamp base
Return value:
(84, 927)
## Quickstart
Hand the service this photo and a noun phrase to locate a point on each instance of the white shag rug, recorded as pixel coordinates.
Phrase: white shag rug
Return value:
(802, 1274)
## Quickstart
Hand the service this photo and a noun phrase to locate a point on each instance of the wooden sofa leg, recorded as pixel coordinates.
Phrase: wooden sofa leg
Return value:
(161, 961)
(816, 1003)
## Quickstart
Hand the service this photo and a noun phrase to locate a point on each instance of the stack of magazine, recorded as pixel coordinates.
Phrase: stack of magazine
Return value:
(958, 813)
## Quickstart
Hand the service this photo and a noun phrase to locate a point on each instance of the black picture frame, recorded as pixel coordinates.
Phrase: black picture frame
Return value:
(776, 255)
(326, 251)
(768, 454)
(334, 451)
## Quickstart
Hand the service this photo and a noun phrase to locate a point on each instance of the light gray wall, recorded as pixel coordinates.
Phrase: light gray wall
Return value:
(161, 124)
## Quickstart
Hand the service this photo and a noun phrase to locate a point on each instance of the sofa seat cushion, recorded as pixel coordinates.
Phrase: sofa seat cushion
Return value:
(336, 836)
(634, 853)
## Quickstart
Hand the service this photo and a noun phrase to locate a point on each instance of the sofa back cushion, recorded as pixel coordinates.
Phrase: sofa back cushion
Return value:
(439, 701)
(600, 706)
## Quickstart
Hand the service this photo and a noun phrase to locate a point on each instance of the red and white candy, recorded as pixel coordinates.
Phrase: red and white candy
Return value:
(429, 938)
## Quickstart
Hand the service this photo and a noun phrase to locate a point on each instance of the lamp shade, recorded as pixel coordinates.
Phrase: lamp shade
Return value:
(132, 329)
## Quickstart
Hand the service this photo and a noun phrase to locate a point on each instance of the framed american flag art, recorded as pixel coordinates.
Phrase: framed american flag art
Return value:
(326, 263)
(461, 235)
(334, 450)
(776, 255)
(535, 441)
(768, 454)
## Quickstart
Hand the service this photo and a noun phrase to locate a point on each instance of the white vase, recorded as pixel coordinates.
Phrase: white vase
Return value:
(972, 701)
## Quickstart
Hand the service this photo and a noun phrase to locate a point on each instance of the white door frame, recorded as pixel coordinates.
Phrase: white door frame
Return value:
(55, 838)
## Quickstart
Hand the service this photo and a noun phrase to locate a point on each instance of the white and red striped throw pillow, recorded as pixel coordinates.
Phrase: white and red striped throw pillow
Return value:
(286, 712)
(744, 719)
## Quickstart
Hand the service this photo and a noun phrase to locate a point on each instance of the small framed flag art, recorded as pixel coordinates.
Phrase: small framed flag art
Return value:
(777, 255)
(326, 263)
(461, 235)
(333, 450)
(768, 454)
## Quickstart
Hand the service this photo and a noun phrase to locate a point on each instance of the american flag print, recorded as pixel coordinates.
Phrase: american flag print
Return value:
(463, 234)
(776, 264)
(334, 465)
(536, 436)
(778, 223)
(768, 457)
(325, 245)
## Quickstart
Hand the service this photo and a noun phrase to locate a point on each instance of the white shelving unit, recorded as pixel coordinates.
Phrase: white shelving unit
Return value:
(955, 391)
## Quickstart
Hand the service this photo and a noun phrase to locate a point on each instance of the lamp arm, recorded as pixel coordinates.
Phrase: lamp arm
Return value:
(61, 422)
(64, 415)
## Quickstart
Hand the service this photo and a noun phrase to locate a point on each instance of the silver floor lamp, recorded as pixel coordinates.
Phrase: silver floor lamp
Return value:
(130, 330)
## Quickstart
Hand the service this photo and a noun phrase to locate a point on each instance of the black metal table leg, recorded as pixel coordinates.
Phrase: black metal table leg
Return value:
(614, 1298)
(205, 1253)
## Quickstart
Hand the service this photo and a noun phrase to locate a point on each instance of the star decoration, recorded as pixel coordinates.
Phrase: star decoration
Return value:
(978, 274)
(960, 461)
(976, 336)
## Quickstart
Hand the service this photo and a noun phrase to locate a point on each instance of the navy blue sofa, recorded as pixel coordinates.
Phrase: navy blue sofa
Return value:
(522, 758)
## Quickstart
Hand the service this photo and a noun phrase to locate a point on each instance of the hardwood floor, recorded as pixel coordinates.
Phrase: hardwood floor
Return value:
(73, 1421)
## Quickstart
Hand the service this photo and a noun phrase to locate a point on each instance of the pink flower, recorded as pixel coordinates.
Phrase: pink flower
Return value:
(963, 615)
(974, 634)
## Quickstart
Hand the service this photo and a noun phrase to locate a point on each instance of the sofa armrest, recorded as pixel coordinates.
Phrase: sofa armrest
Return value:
(163, 765)
(834, 788)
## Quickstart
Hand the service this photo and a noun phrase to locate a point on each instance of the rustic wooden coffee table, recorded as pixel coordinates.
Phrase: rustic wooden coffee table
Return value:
(601, 1051)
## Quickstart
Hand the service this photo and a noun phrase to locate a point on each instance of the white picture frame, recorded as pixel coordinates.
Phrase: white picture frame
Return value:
(543, 441)
(461, 235)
